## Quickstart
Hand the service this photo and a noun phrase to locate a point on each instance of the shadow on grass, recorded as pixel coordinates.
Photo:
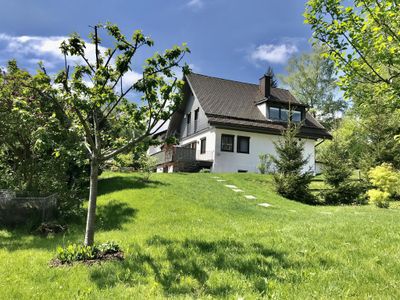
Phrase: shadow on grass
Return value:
(113, 215)
(119, 183)
(189, 267)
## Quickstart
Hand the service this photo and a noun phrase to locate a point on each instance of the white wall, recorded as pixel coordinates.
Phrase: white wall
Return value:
(259, 144)
(202, 122)
(263, 108)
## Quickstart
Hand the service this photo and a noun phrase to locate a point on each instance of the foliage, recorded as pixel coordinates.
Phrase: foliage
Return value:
(362, 38)
(337, 171)
(348, 192)
(75, 253)
(147, 165)
(122, 161)
(291, 180)
(386, 179)
(265, 163)
(311, 78)
(205, 170)
(96, 93)
(79, 252)
(380, 198)
(337, 168)
(40, 153)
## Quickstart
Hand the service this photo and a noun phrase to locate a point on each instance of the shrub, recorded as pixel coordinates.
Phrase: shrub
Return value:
(385, 178)
(347, 193)
(294, 186)
(147, 165)
(265, 163)
(380, 198)
(76, 252)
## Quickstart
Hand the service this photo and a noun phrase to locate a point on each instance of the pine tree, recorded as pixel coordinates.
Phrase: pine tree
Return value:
(290, 179)
(274, 81)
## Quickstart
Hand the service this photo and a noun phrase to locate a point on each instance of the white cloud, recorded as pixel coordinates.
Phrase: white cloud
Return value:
(31, 49)
(277, 54)
(195, 4)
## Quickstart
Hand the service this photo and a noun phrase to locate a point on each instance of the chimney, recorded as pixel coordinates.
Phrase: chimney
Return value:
(265, 86)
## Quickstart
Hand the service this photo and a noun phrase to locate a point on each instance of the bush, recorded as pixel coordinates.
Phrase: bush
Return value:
(76, 252)
(385, 178)
(294, 186)
(346, 193)
(265, 163)
(380, 198)
(147, 165)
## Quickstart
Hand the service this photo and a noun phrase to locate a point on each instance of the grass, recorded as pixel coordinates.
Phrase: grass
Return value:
(188, 236)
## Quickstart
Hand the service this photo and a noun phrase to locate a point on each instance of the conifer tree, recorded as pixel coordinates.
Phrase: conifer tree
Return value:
(291, 180)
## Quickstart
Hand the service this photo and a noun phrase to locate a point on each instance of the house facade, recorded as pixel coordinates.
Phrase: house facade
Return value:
(224, 125)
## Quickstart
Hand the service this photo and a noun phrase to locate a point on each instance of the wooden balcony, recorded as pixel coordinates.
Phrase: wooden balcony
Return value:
(176, 154)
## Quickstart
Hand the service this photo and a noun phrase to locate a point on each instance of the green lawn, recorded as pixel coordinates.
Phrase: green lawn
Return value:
(189, 236)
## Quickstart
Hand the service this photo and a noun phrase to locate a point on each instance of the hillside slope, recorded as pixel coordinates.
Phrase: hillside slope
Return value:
(190, 236)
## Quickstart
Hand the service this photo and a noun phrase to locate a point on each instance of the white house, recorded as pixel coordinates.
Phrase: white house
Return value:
(225, 125)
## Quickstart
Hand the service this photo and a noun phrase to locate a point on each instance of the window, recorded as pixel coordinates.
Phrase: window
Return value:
(196, 117)
(243, 144)
(203, 146)
(282, 114)
(274, 113)
(227, 142)
(296, 116)
(189, 117)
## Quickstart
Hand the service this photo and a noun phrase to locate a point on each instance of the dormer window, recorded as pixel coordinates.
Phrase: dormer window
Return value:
(282, 114)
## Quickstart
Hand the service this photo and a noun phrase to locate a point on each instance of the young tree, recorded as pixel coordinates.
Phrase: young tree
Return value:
(311, 78)
(96, 97)
(274, 81)
(291, 180)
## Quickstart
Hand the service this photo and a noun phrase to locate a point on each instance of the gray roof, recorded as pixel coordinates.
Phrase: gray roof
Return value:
(233, 104)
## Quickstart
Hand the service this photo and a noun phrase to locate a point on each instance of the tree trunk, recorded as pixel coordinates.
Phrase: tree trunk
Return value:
(91, 213)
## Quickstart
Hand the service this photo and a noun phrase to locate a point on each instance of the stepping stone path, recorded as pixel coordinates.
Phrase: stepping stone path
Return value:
(231, 186)
(237, 190)
(264, 204)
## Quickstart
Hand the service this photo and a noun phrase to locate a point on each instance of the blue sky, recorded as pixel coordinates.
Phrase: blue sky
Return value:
(230, 39)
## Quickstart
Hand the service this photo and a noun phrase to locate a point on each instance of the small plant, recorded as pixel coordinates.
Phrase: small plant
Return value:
(380, 198)
(74, 252)
(265, 163)
(147, 165)
(108, 248)
(204, 170)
